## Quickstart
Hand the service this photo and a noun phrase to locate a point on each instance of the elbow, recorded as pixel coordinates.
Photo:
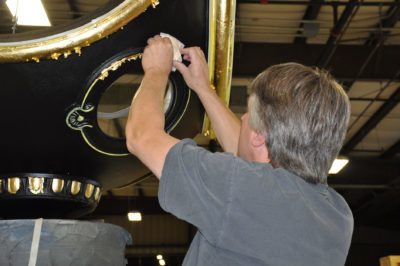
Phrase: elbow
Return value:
(138, 140)
(130, 146)
(133, 139)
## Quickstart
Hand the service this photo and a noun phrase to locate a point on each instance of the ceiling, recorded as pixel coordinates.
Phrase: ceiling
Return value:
(358, 41)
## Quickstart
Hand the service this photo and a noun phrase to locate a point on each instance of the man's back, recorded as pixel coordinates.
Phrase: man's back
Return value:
(253, 214)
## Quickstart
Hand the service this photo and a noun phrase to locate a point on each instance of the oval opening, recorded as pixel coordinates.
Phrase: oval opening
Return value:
(114, 105)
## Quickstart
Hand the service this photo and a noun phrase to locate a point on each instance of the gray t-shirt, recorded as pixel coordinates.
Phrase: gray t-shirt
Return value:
(248, 213)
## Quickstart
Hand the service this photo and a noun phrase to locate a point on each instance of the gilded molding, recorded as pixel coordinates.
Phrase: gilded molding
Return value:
(89, 190)
(47, 186)
(14, 184)
(75, 187)
(117, 64)
(57, 185)
(97, 194)
(36, 185)
(52, 47)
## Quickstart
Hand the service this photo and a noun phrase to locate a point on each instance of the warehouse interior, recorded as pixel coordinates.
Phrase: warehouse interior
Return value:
(358, 41)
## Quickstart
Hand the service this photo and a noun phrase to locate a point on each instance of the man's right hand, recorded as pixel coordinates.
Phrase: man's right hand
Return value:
(225, 124)
(196, 74)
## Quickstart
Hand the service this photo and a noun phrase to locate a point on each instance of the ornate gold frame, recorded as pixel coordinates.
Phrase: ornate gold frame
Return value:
(73, 40)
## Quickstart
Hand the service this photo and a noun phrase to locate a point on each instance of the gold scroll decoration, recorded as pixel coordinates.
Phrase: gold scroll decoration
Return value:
(76, 121)
(57, 185)
(75, 187)
(221, 44)
(89, 190)
(51, 47)
(36, 185)
(13, 185)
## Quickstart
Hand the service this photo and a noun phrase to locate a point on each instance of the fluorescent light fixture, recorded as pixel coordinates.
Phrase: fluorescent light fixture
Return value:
(162, 262)
(159, 257)
(134, 216)
(28, 12)
(338, 164)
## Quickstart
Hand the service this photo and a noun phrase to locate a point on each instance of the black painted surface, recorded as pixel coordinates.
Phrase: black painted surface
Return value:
(35, 98)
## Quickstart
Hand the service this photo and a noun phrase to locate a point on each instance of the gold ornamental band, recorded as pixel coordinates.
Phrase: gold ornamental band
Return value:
(37, 186)
(57, 185)
(14, 184)
(75, 187)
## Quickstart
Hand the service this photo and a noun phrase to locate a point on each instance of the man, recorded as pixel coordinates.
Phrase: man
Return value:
(270, 205)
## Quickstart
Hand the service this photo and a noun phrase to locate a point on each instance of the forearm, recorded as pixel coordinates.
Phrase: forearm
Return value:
(145, 135)
(224, 122)
(146, 115)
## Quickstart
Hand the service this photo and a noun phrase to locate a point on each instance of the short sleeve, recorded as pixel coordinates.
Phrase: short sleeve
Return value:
(195, 186)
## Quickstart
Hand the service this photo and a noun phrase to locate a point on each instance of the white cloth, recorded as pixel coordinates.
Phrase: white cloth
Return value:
(177, 45)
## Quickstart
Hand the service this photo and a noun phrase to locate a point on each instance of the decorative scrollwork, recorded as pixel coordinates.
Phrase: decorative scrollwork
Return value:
(76, 118)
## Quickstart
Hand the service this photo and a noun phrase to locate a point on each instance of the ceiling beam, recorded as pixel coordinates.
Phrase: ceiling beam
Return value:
(119, 206)
(328, 3)
(388, 21)
(392, 151)
(366, 171)
(311, 13)
(336, 32)
(383, 209)
(377, 39)
(372, 122)
(252, 58)
(74, 8)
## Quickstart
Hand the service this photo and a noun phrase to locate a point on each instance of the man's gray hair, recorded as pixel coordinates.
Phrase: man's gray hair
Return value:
(303, 113)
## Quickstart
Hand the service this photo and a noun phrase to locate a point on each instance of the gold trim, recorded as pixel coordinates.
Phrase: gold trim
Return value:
(57, 185)
(89, 190)
(75, 187)
(1, 186)
(36, 185)
(117, 64)
(98, 150)
(97, 193)
(14, 184)
(52, 47)
(104, 74)
(211, 58)
(223, 43)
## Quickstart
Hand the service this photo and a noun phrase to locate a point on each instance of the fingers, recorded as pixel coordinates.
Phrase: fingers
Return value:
(180, 67)
(192, 52)
(158, 38)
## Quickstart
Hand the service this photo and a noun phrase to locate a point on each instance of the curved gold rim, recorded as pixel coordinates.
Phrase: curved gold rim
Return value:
(65, 43)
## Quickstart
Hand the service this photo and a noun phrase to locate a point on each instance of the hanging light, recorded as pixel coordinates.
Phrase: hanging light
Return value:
(337, 165)
(28, 12)
(134, 216)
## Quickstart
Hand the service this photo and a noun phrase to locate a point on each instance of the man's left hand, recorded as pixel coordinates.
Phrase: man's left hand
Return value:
(158, 55)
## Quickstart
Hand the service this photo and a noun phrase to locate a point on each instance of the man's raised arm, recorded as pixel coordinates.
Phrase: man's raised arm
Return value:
(225, 124)
(145, 135)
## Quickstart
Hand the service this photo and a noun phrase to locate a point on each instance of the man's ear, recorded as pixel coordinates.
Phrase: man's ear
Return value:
(257, 139)
(259, 147)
